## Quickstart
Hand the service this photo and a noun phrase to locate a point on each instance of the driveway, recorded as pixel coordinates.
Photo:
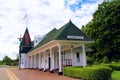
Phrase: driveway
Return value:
(3, 74)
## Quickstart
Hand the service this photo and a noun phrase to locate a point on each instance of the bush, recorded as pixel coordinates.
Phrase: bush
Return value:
(115, 66)
(88, 73)
(89, 60)
(105, 59)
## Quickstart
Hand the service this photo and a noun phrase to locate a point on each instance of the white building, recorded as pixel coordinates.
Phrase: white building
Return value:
(59, 48)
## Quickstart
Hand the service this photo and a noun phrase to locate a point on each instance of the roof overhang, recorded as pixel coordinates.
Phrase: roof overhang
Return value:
(54, 43)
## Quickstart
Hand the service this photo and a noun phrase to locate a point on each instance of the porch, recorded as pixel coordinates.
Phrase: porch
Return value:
(56, 55)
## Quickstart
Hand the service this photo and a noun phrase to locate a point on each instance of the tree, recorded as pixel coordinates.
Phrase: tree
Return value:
(105, 60)
(104, 28)
(7, 60)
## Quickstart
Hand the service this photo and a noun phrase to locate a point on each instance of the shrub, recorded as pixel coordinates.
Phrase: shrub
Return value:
(115, 66)
(105, 59)
(89, 60)
(113, 62)
(88, 73)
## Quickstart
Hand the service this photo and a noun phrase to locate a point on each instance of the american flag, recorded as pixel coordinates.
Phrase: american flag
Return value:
(25, 17)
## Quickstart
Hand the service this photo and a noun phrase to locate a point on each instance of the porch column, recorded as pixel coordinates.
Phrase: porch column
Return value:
(71, 56)
(60, 67)
(27, 60)
(34, 61)
(51, 61)
(84, 56)
(39, 61)
(31, 62)
(44, 62)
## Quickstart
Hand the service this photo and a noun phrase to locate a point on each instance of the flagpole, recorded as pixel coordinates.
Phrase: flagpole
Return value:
(26, 18)
(27, 21)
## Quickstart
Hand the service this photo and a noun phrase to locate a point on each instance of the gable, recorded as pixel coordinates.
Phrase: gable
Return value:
(71, 32)
(67, 32)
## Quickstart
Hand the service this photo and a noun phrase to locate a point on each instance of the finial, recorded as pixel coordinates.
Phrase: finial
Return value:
(70, 21)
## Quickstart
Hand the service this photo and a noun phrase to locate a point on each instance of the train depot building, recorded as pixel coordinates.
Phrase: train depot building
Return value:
(62, 47)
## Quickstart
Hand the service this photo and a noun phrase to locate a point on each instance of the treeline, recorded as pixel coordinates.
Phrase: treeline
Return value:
(104, 29)
(8, 61)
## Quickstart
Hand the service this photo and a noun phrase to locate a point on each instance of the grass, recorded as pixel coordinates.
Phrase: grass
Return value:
(116, 75)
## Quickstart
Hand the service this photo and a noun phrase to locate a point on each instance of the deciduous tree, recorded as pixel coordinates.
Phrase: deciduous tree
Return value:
(104, 28)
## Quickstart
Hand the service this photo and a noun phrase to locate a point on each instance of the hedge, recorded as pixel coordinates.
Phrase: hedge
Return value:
(115, 66)
(88, 73)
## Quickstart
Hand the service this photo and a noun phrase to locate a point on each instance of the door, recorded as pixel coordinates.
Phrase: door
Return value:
(49, 62)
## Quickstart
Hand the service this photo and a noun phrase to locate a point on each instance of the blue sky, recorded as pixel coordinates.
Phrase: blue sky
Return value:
(43, 15)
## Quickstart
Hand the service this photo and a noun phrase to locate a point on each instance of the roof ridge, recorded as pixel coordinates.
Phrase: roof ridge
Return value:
(63, 28)
(54, 29)
(69, 29)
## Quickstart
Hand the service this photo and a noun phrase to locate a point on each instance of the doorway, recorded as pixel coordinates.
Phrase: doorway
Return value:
(49, 62)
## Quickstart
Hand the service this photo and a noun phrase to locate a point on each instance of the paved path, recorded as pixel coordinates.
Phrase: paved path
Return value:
(3, 74)
(28, 74)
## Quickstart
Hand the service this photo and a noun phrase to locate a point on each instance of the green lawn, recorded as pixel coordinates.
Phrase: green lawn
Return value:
(116, 75)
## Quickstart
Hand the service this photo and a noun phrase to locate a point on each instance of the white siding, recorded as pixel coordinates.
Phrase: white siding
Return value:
(68, 55)
(23, 61)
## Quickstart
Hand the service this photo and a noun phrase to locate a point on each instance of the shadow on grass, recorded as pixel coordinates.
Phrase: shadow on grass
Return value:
(116, 75)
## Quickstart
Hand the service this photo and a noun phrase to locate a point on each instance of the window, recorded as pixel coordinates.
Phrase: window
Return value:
(36, 41)
(64, 56)
(21, 60)
(78, 57)
(21, 48)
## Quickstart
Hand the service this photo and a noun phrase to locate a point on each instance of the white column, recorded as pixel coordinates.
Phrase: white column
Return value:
(84, 56)
(27, 61)
(53, 62)
(34, 61)
(44, 61)
(71, 56)
(60, 67)
(31, 62)
(51, 65)
(39, 61)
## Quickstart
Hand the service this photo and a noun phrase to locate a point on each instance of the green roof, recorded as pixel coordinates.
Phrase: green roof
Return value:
(68, 29)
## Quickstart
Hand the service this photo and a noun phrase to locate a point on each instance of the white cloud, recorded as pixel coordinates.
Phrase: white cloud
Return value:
(43, 16)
